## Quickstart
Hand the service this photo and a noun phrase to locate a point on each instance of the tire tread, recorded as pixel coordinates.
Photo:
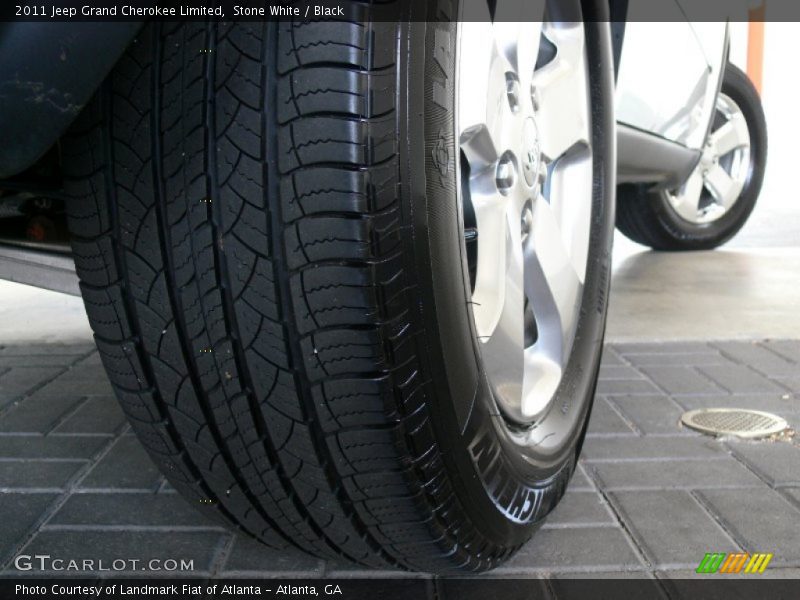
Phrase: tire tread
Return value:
(242, 271)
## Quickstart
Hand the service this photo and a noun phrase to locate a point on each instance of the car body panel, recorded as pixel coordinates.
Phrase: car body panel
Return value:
(669, 75)
(48, 72)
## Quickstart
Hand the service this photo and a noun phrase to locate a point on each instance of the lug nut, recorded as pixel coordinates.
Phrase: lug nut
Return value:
(542, 172)
(527, 221)
(506, 174)
(512, 91)
(536, 98)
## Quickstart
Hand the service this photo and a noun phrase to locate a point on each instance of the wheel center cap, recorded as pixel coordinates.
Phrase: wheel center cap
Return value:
(531, 153)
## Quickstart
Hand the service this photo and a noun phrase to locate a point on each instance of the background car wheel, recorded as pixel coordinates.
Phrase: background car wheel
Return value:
(716, 201)
(269, 234)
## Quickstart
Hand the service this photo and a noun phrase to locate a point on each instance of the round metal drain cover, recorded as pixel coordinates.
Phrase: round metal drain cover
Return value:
(734, 421)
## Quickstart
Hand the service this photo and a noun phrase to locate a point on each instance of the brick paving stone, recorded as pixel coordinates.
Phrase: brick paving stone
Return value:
(670, 526)
(36, 446)
(791, 383)
(681, 380)
(674, 474)
(248, 556)
(7, 400)
(740, 379)
(126, 466)
(789, 349)
(605, 420)
(626, 386)
(45, 349)
(166, 488)
(99, 415)
(793, 494)
(89, 380)
(677, 360)
(580, 482)
(761, 520)
(584, 548)
(26, 509)
(599, 575)
(580, 508)
(150, 510)
(759, 357)
(37, 414)
(45, 360)
(91, 359)
(675, 492)
(652, 448)
(85, 370)
(18, 381)
(30, 474)
(650, 414)
(610, 358)
(625, 349)
(619, 372)
(775, 462)
(201, 547)
(688, 591)
(334, 570)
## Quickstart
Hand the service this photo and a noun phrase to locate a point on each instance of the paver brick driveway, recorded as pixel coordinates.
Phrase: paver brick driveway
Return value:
(649, 498)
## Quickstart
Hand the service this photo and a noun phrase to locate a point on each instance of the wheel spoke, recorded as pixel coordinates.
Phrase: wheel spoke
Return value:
(478, 147)
(490, 215)
(570, 199)
(482, 78)
(732, 135)
(562, 91)
(687, 202)
(504, 349)
(552, 284)
(518, 32)
(541, 379)
(722, 186)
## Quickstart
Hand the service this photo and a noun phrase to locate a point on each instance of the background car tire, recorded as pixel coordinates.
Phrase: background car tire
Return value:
(263, 242)
(648, 218)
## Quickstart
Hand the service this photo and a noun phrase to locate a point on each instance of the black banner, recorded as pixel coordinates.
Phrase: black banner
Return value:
(265, 10)
(713, 587)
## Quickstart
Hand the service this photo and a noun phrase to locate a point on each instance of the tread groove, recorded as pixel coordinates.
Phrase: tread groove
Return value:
(164, 238)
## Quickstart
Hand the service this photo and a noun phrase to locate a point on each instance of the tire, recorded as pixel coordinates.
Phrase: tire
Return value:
(271, 263)
(648, 217)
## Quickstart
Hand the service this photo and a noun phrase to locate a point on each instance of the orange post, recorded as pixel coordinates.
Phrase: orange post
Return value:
(755, 46)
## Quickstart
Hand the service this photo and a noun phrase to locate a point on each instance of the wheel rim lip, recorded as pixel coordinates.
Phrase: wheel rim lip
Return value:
(547, 364)
(738, 164)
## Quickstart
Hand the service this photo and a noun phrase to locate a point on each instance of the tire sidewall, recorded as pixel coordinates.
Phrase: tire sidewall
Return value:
(506, 487)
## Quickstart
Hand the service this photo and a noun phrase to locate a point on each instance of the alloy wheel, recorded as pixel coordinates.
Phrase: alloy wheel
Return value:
(524, 127)
(721, 175)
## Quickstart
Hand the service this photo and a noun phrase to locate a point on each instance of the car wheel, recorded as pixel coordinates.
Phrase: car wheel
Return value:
(721, 192)
(273, 231)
